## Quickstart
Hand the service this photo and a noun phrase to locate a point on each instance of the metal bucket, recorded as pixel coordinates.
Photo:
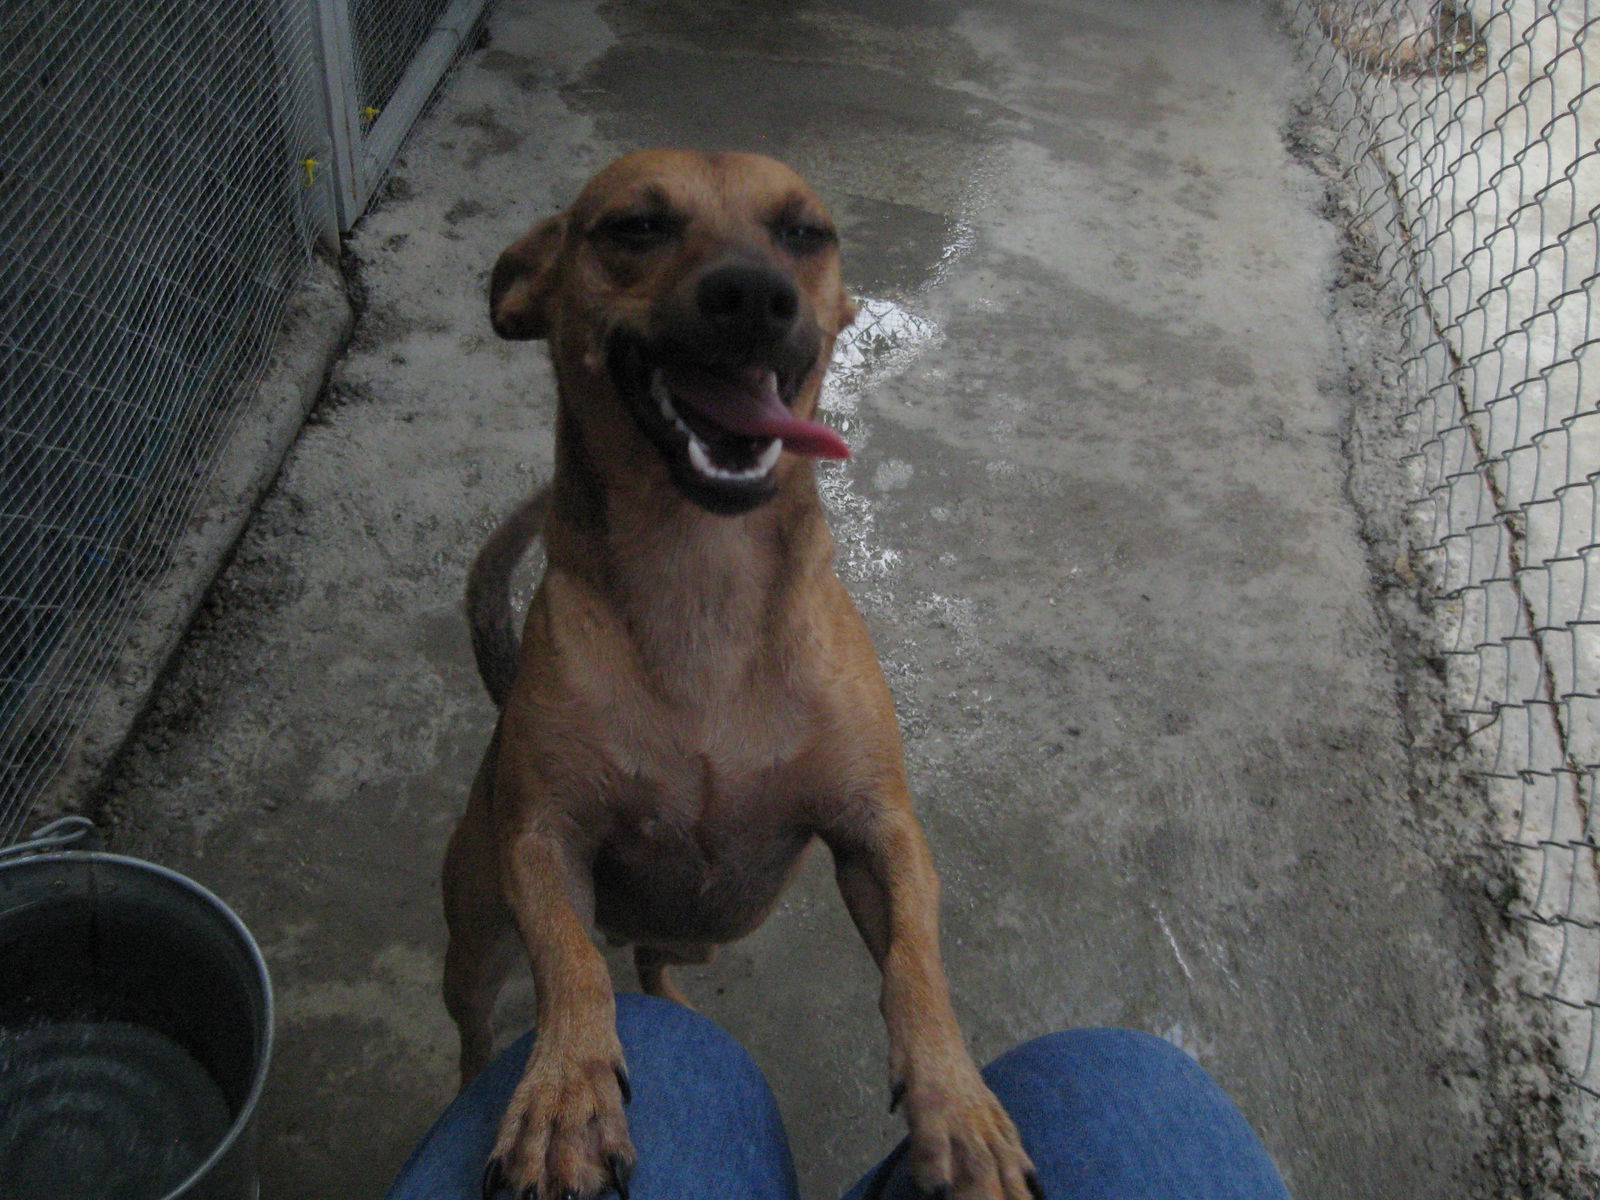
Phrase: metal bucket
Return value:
(135, 1030)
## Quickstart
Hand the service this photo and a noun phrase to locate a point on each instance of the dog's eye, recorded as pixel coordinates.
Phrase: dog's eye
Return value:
(636, 231)
(802, 237)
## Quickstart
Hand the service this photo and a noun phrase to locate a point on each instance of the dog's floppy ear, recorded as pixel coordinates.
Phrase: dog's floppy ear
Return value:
(523, 280)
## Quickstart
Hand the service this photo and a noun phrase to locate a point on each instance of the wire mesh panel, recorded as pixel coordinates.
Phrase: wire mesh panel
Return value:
(382, 60)
(387, 35)
(1471, 131)
(164, 170)
(153, 215)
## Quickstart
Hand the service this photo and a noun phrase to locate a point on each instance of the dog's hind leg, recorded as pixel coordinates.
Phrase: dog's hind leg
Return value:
(652, 966)
(651, 962)
(483, 943)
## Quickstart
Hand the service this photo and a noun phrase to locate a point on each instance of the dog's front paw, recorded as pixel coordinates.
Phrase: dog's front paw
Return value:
(963, 1145)
(564, 1136)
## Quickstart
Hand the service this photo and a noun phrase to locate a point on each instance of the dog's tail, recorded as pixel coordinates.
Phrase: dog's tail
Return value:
(489, 616)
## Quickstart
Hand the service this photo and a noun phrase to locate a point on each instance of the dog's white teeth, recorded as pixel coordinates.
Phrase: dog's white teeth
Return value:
(699, 455)
(663, 398)
(700, 459)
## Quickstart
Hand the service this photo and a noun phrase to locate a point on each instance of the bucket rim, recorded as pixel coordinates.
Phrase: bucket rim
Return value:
(252, 1100)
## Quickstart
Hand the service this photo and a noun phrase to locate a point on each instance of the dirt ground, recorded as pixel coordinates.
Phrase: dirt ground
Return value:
(1170, 744)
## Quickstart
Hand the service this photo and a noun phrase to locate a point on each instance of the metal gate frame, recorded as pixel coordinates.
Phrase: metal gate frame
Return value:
(364, 141)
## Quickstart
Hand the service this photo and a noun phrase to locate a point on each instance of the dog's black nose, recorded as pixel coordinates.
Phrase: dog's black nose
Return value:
(748, 304)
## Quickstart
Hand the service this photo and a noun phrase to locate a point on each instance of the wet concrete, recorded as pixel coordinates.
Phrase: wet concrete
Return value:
(1097, 520)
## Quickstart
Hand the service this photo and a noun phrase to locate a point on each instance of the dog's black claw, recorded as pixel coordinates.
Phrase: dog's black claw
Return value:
(569, 1194)
(531, 1192)
(896, 1094)
(1035, 1188)
(621, 1171)
(942, 1192)
(627, 1088)
(494, 1179)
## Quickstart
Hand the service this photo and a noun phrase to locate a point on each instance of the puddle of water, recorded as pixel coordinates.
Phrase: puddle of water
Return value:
(884, 341)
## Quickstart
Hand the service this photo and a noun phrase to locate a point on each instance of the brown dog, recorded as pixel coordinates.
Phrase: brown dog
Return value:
(696, 699)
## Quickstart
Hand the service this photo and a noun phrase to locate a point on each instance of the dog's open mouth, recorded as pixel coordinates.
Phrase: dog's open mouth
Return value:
(721, 429)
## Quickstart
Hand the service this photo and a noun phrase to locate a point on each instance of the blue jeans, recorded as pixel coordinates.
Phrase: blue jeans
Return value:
(1105, 1114)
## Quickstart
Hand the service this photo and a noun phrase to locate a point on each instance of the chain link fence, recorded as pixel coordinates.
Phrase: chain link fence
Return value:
(1469, 133)
(165, 172)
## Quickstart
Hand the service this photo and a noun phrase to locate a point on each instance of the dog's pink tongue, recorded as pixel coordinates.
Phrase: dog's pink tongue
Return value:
(746, 402)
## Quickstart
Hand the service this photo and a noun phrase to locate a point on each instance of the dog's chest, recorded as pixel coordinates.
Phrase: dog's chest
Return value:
(702, 736)
(699, 852)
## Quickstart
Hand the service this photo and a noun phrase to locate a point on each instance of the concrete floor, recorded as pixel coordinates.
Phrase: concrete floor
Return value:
(1098, 521)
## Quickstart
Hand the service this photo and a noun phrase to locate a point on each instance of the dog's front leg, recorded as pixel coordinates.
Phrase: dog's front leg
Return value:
(963, 1145)
(564, 1133)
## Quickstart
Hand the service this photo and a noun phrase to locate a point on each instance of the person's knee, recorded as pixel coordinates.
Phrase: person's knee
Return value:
(636, 1009)
(1134, 1046)
(642, 1019)
(662, 1040)
(1102, 1058)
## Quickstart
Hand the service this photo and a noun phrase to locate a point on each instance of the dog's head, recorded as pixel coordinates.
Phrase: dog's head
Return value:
(699, 296)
